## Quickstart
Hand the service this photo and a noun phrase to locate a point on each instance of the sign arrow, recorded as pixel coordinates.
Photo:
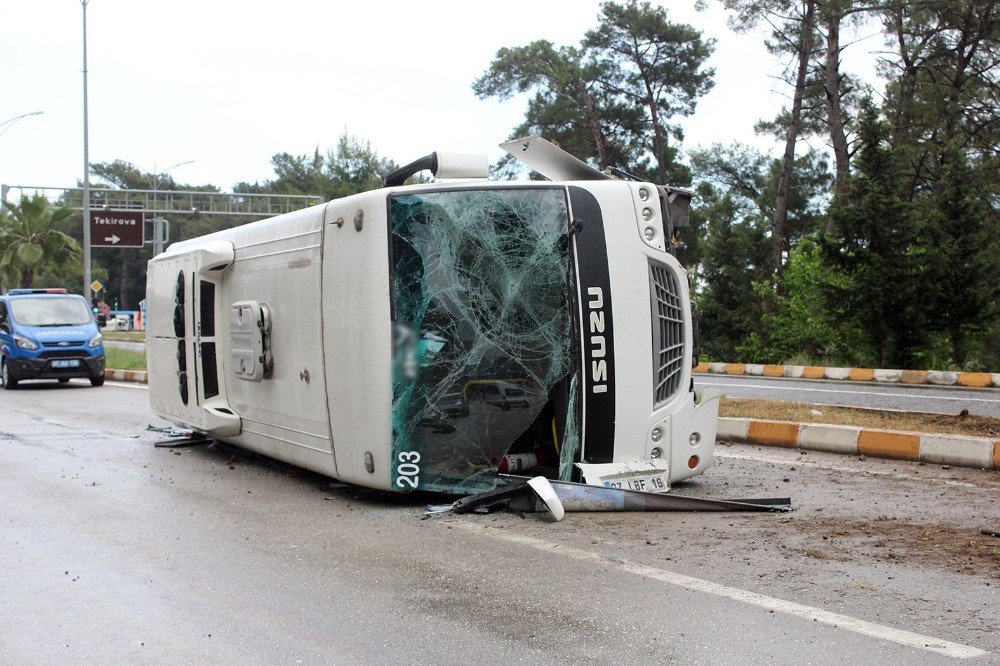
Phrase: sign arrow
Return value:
(112, 239)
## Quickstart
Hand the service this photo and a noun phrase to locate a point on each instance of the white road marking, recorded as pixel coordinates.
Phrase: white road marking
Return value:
(838, 468)
(800, 389)
(864, 627)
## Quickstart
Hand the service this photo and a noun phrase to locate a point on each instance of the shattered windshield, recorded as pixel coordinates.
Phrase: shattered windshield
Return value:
(483, 353)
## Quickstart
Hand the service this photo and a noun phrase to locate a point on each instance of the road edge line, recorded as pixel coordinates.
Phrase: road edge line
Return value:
(778, 605)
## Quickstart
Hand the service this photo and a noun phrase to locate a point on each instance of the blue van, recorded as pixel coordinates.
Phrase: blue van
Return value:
(48, 334)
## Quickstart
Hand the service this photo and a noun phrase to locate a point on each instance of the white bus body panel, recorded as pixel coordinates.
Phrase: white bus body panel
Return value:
(323, 272)
(277, 262)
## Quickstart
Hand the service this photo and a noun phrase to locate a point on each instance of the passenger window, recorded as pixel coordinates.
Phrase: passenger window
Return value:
(207, 308)
(209, 371)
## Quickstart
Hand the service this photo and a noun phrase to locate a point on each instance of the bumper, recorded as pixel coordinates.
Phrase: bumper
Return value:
(48, 368)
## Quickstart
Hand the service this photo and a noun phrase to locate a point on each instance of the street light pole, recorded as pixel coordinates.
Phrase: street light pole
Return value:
(86, 167)
(7, 124)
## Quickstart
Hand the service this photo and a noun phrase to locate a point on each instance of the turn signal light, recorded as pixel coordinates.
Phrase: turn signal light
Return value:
(693, 462)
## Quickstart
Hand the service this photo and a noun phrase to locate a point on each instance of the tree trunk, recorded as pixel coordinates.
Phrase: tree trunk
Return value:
(594, 125)
(835, 113)
(779, 223)
(659, 143)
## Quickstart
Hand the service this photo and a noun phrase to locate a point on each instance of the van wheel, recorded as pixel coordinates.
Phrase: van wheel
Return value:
(6, 377)
(97, 381)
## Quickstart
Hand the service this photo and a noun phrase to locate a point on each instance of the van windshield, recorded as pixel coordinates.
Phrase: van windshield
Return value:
(50, 311)
(481, 296)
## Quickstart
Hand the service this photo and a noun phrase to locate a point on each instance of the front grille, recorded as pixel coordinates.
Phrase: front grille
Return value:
(668, 333)
(72, 343)
(65, 353)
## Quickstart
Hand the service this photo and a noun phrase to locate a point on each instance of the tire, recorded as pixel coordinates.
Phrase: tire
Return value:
(6, 377)
(97, 381)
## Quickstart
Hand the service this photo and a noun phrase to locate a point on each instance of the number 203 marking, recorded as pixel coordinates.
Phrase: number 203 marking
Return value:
(408, 471)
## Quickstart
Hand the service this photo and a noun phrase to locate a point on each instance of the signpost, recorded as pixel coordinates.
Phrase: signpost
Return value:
(96, 286)
(117, 228)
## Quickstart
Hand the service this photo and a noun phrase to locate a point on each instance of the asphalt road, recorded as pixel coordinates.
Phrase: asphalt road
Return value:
(114, 551)
(913, 398)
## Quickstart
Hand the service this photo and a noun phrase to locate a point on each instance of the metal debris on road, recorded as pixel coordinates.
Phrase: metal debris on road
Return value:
(531, 495)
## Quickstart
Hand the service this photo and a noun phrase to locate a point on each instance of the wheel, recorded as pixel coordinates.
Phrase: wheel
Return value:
(97, 381)
(63, 380)
(6, 376)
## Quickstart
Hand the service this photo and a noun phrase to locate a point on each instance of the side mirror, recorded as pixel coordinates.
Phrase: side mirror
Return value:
(442, 165)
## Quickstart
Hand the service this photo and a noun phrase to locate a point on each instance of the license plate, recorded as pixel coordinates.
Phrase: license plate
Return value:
(649, 483)
(66, 363)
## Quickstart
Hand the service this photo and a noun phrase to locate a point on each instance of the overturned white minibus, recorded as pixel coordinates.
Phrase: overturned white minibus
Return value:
(424, 336)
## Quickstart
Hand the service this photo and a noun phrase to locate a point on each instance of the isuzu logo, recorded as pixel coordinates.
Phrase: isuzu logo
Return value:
(598, 345)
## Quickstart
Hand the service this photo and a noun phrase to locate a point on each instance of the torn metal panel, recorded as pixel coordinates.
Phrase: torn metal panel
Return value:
(518, 495)
(550, 160)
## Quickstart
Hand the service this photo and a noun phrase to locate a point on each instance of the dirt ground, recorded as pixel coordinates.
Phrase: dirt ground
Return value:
(960, 424)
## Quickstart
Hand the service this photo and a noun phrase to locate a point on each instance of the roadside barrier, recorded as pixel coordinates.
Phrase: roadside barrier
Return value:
(139, 376)
(957, 450)
(935, 377)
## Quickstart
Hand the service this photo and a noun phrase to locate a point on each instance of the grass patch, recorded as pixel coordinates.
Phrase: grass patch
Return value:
(775, 410)
(124, 359)
(125, 336)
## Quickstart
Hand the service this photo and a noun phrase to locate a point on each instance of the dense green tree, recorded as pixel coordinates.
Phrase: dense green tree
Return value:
(794, 31)
(653, 64)
(803, 322)
(941, 104)
(31, 241)
(944, 87)
(753, 177)
(351, 167)
(876, 252)
(735, 262)
(567, 106)
(614, 99)
(960, 256)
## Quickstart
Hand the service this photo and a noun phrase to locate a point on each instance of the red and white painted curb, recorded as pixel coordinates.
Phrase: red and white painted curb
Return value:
(933, 377)
(957, 450)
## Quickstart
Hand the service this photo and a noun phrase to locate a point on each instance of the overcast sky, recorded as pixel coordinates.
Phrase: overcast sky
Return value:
(229, 83)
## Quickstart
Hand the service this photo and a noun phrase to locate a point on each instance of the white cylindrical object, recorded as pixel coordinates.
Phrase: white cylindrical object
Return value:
(461, 165)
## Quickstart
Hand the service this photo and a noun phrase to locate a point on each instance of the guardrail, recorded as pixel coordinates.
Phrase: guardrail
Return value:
(935, 377)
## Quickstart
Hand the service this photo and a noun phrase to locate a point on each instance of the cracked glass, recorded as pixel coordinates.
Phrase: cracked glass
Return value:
(483, 354)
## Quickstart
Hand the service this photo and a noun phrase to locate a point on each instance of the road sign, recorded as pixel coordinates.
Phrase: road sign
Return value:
(96, 286)
(117, 228)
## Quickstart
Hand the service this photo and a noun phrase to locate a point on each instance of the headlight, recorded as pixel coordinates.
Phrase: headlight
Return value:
(24, 343)
(95, 341)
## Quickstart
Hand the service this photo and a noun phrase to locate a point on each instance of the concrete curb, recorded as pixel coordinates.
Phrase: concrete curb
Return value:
(138, 376)
(935, 377)
(957, 450)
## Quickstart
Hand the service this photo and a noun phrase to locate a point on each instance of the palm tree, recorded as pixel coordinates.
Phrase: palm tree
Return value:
(30, 240)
